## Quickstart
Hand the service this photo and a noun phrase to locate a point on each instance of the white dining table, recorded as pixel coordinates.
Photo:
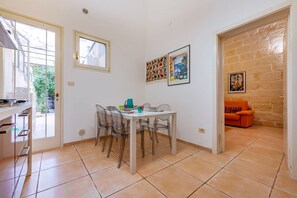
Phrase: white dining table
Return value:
(134, 117)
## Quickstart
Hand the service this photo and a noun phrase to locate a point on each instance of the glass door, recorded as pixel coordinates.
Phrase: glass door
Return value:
(37, 76)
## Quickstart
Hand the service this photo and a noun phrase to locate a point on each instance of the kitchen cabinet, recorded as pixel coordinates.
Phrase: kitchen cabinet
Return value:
(15, 148)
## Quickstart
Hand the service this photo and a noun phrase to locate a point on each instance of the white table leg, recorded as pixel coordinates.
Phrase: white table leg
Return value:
(173, 134)
(132, 146)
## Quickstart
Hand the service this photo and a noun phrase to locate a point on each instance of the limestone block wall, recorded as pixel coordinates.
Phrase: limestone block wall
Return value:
(259, 52)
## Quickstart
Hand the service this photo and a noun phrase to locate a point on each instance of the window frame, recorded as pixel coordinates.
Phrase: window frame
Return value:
(79, 35)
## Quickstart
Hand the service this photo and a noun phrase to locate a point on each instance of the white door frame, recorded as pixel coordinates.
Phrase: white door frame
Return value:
(218, 91)
(42, 144)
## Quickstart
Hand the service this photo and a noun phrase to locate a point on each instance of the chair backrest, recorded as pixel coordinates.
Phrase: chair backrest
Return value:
(237, 103)
(146, 105)
(101, 115)
(117, 120)
(163, 107)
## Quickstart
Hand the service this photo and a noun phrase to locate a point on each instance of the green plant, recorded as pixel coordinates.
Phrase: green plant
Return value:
(44, 85)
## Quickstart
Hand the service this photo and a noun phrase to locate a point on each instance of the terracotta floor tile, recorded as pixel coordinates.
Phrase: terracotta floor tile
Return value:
(57, 158)
(260, 160)
(198, 168)
(141, 189)
(278, 141)
(186, 148)
(233, 150)
(267, 144)
(86, 145)
(6, 188)
(61, 174)
(149, 165)
(252, 171)
(238, 186)
(30, 184)
(93, 151)
(6, 172)
(114, 179)
(286, 184)
(174, 183)
(31, 196)
(165, 154)
(284, 166)
(266, 152)
(208, 192)
(126, 156)
(80, 188)
(218, 160)
(100, 162)
(64, 149)
(280, 194)
(36, 161)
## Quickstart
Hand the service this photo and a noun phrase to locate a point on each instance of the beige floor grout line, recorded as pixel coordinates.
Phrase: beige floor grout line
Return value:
(223, 167)
(276, 175)
(37, 185)
(145, 178)
(155, 187)
(88, 171)
(61, 183)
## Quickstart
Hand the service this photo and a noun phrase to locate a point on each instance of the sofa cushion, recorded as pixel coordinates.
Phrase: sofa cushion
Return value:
(237, 103)
(232, 109)
(231, 116)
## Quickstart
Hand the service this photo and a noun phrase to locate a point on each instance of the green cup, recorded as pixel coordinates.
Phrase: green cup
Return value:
(121, 107)
(139, 109)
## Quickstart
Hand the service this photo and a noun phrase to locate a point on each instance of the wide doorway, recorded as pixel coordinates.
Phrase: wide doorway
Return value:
(253, 70)
(36, 76)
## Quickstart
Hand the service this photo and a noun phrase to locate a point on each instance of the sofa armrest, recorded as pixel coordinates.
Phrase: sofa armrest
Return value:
(247, 112)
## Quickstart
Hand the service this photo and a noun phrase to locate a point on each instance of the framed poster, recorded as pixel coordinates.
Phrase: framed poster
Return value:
(156, 69)
(179, 66)
(236, 82)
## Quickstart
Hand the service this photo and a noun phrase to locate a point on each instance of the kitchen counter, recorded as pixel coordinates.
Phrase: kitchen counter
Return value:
(6, 112)
(15, 146)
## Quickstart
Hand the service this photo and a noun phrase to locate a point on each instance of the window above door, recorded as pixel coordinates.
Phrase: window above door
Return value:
(92, 52)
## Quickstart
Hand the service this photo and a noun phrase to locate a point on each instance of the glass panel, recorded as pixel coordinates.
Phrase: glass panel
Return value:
(31, 71)
(36, 36)
(50, 101)
(92, 53)
(51, 41)
(40, 94)
(7, 89)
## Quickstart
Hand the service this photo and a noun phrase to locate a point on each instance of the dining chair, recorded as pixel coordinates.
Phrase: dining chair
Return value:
(102, 122)
(144, 123)
(120, 130)
(157, 125)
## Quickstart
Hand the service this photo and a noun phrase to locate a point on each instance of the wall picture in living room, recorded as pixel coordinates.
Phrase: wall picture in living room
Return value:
(179, 66)
(156, 69)
(236, 82)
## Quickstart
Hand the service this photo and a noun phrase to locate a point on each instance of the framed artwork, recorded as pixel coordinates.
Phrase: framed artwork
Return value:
(179, 66)
(156, 69)
(236, 82)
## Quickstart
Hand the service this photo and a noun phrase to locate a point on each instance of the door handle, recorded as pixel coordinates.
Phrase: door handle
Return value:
(57, 94)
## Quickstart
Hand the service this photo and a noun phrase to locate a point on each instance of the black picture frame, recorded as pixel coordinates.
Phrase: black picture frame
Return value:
(179, 66)
(237, 82)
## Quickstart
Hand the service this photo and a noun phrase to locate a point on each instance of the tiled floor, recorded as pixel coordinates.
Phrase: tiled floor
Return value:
(252, 166)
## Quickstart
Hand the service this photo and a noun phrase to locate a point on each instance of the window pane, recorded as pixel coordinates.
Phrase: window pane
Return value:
(92, 53)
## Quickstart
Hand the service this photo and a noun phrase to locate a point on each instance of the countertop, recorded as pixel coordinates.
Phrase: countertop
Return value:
(6, 112)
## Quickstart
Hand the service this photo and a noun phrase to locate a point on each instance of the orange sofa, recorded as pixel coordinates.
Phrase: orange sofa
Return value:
(238, 114)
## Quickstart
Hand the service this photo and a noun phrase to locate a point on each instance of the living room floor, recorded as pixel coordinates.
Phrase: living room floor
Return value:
(252, 166)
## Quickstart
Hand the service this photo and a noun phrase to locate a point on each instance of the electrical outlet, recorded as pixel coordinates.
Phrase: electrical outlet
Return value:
(71, 84)
(201, 130)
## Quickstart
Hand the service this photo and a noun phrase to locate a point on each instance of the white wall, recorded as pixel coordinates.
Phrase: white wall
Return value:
(172, 24)
(119, 21)
(139, 33)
